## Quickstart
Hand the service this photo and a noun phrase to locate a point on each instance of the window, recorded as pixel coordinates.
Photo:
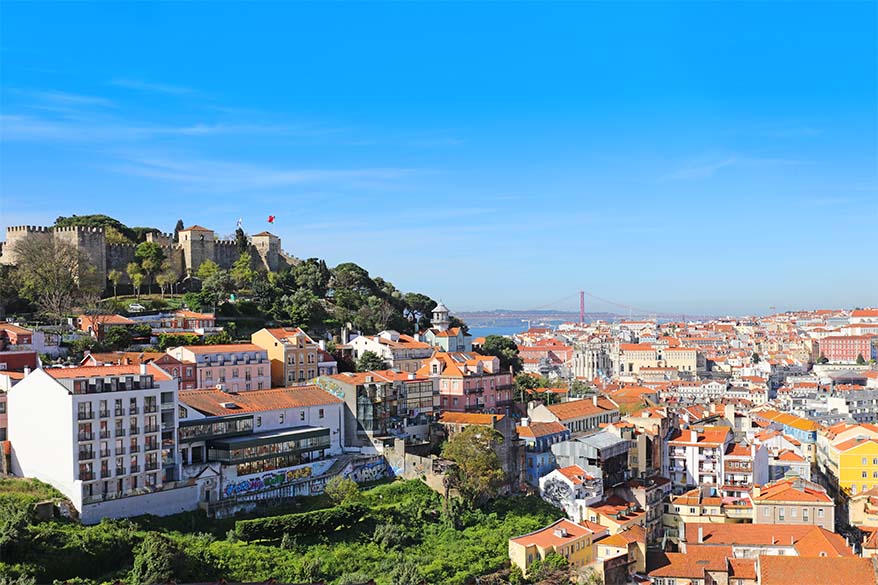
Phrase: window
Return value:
(865, 461)
(766, 512)
(302, 415)
(320, 413)
(281, 417)
(2, 407)
(865, 474)
(781, 512)
(258, 421)
(793, 512)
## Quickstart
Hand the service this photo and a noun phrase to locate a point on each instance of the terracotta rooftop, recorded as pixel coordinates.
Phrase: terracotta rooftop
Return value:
(694, 563)
(210, 401)
(783, 570)
(581, 408)
(547, 537)
(792, 490)
(467, 418)
(807, 540)
(540, 429)
(576, 474)
(105, 371)
(222, 348)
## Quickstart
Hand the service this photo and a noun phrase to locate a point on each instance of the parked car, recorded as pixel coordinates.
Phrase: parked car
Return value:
(136, 307)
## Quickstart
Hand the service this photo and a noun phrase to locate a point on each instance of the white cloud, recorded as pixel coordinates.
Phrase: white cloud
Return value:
(706, 169)
(141, 85)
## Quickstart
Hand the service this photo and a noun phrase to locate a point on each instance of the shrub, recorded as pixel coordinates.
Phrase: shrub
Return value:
(306, 524)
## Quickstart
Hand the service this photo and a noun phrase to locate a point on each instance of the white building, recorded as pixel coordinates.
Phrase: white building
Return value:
(573, 490)
(260, 442)
(399, 351)
(696, 457)
(104, 436)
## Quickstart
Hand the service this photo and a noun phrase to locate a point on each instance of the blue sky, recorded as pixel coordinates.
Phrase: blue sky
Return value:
(692, 157)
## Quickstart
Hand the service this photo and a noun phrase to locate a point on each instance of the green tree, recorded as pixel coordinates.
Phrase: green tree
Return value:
(241, 241)
(207, 269)
(166, 278)
(117, 338)
(553, 566)
(151, 256)
(135, 273)
(53, 274)
(220, 338)
(302, 309)
(158, 560)
(755, 358)
(216, 288)
(505, 349)
(177, 229)
(342, 490)
(313, 275)
(458, 322)
(370, 361)
(14, 520)
(406, 572)
(114, 276)
(242, 272)
(822, 359)
(477, 473)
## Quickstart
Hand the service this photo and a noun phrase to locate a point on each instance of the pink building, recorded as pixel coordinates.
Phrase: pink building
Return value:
(846, 348)
(236, 366)
(469, 382)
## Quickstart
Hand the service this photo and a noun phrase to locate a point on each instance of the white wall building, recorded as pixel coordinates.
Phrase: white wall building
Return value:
(573, 490)
(105, 436)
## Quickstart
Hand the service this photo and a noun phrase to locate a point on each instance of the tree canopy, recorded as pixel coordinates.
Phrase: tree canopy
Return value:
(370, 361)
(477, 474)
(505, 349)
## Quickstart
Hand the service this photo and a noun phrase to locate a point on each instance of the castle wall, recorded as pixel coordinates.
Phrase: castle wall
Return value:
(118, 258)
(225, 253)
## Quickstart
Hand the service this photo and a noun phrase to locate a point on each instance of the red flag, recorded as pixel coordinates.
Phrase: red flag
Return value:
(270, 219)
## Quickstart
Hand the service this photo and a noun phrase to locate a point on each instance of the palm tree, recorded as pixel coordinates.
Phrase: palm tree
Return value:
(115, 276)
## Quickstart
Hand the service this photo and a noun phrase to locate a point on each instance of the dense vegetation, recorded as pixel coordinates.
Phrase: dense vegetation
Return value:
(395, 533)
(309, 294)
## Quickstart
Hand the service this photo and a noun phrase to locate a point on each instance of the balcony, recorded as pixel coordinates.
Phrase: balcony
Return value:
(474, 407)
(134, 431)
(86, 436)
(151, 429)
(120, 471)
(151, 446)
(120, 432)
(120, 450)
(134, 469)
(135, 448)
(88, 415)
(505, 403)
(105, 434)
(150, 409)
(86, 455)
(86, 475)
(119, 412)
(104, 413)
(473, 390)
(105, 453)
(152, 465)
(133, 410)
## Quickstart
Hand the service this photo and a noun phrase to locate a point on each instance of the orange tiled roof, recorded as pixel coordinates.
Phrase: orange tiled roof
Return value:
(575, 473)
(581, 408)
(196, 228)
(783, 570)
(540, 429)
(209, 401)
(14, 328)
(807, 540)
(105, 371)
(855, 442)
(469, 418)
(222, 348)
(546, 537)
(694, 563)
(742, 568)
(785, 490)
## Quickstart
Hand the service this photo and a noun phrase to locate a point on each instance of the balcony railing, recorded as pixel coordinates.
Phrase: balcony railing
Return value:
(86, 455)
(152, 465)
(134, 430)
(88, 415)
(135, 469)
(120, 471)
(104, 413)
(86, 436)
(105, 434)
(150, 409)
(151, 446)
(106, 474)
(133, 410)
(120, 432)
(135, 448)
(120, 450)
(86, 475)
(119, 412)
(105, 453)
(151, 429)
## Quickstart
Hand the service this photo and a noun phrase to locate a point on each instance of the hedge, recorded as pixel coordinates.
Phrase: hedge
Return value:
(305, 524)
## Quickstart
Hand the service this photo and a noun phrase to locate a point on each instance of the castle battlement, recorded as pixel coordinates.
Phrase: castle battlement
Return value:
(121, 246)
(28, 229)
(225, 243)
(78, 229)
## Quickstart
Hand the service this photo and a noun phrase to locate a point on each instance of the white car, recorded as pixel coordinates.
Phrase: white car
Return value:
(136, 307)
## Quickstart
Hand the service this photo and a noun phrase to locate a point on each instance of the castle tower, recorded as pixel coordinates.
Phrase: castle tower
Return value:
(268, 247)
(440, 319)
(91, 242)
(198, 245)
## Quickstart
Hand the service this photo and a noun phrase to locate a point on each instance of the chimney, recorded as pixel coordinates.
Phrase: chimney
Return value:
(26, 370)
(693, 436)
(142, 369)
(525, 422)
(700, 534)
(322, 344)
(594, 399)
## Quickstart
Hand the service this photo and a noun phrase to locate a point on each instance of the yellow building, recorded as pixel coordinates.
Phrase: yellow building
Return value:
(863, 510)
(616, 514)
(292, 353)
(631, 543)
(857, 465)
(574, 542)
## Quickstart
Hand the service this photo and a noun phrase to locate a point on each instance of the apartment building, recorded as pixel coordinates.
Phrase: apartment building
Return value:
(101, 435)
(846, 348)
(538, 439)
(793, 500)
(469, 382)
(293, 354)
(399, 351)
(572, 489)
(696, 457)
(579, 416)
(574, 542)
(238, 367)
(743, 467)
(259, 444)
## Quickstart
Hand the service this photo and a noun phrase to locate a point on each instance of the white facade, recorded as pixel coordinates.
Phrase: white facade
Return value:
(98, 437)
(573, 490)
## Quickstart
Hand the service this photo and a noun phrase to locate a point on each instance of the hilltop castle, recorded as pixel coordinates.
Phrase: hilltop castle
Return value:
(195, 246)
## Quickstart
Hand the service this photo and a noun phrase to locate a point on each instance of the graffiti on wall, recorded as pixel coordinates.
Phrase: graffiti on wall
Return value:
(266, 481)
(371, 470)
